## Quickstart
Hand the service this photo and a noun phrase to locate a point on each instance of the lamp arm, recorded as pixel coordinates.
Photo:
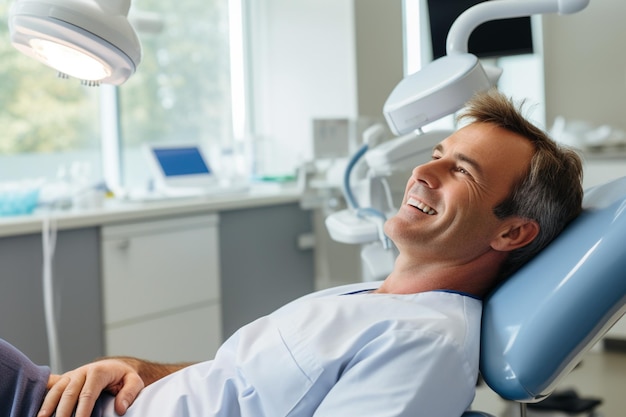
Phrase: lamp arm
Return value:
(464, 25)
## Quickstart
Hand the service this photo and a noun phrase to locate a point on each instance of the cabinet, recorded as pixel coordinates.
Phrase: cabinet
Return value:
(262, 264)
(161, 288)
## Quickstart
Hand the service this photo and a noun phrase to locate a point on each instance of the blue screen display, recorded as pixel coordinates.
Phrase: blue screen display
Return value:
(181, 161)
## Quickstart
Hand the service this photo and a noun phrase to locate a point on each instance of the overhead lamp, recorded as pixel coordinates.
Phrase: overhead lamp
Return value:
(91, 40)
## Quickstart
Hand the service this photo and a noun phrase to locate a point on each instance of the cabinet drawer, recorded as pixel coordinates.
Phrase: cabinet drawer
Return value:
(154, 267)
(185, 336)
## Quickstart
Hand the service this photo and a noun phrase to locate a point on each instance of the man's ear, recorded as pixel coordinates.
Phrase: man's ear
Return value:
(516, 233)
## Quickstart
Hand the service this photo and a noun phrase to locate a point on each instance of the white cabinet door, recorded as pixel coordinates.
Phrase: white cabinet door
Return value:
(161, 288)
(189, 336)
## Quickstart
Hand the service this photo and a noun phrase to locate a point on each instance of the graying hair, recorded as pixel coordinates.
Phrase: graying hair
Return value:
(551, 190)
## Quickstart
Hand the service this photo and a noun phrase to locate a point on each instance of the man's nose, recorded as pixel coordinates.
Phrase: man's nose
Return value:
(428, 174)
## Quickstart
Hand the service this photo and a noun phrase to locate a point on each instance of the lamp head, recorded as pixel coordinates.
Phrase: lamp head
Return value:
(91, 40)
(440, 88)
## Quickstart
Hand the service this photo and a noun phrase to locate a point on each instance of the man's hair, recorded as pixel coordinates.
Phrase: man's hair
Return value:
(551, 190)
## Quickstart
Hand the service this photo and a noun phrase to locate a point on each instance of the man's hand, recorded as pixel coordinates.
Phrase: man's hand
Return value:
(79, 389)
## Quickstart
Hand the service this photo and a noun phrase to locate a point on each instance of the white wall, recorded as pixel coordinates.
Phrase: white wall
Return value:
(379, 53)
(585, 77)
(585, 64)
(318, 59)
(303, 65)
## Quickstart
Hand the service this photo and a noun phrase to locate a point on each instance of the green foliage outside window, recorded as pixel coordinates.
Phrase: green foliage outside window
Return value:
(181, 90)
(40, 112)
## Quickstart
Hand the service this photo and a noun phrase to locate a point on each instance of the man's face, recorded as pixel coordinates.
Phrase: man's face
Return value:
(447, 210)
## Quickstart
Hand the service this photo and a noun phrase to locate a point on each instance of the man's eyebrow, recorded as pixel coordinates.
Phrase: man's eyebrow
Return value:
(462, 157)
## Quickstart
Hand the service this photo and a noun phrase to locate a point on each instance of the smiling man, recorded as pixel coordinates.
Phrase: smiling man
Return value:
(493, 195)
(446, 230)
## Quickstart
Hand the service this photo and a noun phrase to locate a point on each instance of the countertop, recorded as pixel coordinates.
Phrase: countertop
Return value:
(119, 211)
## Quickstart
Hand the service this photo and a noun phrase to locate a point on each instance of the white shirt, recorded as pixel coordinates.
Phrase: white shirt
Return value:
(335, 354)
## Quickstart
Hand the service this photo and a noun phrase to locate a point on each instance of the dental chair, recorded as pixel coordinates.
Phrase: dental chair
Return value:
(538, 325)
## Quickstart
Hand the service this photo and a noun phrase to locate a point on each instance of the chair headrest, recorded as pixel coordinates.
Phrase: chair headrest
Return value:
(539, 323)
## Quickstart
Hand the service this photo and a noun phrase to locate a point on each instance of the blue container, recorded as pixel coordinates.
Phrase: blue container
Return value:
(15, 202)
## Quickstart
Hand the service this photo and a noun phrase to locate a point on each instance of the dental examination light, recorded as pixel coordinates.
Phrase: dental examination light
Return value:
(440, 88)
(91, 40)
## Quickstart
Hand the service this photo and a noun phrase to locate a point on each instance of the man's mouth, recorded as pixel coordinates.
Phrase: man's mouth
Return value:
(421, 206)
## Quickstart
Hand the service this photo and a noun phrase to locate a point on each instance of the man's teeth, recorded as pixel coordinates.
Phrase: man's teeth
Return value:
(421, 206)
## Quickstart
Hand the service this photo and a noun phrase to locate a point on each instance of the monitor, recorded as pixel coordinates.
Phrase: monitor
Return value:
(180, 166)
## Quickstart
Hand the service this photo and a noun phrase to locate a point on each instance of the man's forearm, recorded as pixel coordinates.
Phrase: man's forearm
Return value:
(151, 371)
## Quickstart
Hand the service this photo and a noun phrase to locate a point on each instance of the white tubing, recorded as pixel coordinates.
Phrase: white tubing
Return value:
(48, 237)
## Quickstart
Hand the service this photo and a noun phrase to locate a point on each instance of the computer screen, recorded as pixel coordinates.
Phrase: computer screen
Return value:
(496, 38)
(176, 161)
(180, 165)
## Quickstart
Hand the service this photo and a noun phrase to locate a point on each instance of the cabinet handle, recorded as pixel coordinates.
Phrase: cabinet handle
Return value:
(123, 244)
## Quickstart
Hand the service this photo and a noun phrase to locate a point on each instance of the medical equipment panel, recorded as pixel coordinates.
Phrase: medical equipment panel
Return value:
(179, 165)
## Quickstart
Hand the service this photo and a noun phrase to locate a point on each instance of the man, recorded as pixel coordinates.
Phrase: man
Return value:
(494, 194)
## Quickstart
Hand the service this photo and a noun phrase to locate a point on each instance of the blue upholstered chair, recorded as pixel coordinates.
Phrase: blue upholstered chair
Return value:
(538, 324)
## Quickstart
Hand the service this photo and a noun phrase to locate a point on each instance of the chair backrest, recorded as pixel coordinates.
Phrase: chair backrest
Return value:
(541, 321)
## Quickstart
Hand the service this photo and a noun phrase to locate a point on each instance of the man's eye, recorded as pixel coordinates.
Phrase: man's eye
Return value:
(463, 171)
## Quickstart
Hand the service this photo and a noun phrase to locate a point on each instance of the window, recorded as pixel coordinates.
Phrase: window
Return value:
(46, 122)
(181, 92)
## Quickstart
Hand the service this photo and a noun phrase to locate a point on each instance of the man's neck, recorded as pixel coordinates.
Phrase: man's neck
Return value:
(475, 278)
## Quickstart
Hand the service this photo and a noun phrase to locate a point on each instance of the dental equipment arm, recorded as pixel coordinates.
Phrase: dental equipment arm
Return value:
(446, 84)
(473, 17)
